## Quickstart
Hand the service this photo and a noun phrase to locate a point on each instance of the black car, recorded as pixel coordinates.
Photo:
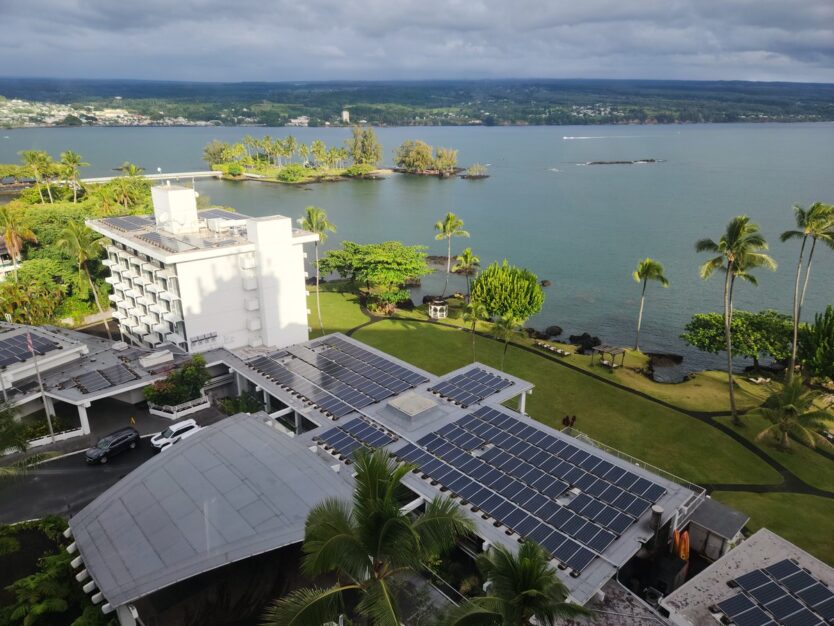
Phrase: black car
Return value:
(112, 444)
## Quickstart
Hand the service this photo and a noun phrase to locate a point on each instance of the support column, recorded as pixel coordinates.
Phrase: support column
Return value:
(82, 417)
(238, 384)
(267, 401)
(298, 422)
(522, 403)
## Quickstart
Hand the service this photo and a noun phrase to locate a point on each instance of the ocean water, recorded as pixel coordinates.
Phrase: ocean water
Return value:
(582, 227)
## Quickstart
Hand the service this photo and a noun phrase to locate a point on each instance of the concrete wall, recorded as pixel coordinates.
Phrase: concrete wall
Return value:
(213, 302)
(280, 275)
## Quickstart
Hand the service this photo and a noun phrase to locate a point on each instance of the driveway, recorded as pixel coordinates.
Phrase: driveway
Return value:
(64, 486)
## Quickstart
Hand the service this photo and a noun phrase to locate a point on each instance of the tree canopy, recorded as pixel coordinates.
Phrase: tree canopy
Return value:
(383, 268)
(363, 146)
(507, 290)
(816, 345)
(755, 335)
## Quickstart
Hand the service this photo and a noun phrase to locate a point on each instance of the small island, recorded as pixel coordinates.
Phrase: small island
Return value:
(290, 162)
(634, 162)
(420, 159)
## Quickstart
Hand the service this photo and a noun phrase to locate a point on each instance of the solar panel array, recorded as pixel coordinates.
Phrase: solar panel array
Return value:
(97, 380)
(166, 243)
(15, 349)
(337, 378)
(221, 214)
(354, 434)
(300, 386)
(782, 594)
(129, 222)
(524, 478)
(470, 387)
(385, 365)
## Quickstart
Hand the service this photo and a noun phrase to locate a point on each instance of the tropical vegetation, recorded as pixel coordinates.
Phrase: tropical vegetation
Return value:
(368, 543)
(647, 269)
(816, 346)
(315, 221)
(415, 157)
(450, 226)
(739, 250)
(507, 290)
(522, 586)
(182, 384)
(793, 414)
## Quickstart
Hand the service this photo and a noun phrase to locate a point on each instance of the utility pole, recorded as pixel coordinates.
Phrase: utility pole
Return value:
(46, 404)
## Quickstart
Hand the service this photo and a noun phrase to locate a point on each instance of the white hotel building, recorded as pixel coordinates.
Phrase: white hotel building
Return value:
(206, 279)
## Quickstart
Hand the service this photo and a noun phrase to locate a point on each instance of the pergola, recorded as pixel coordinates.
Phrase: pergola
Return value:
(614, 351)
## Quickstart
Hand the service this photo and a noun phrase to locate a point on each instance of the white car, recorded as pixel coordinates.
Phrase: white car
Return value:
(185, 435)
(173, 433)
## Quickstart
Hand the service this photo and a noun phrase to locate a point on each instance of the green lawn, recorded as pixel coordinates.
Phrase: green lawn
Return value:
(339, 311)
(808, 465)
(660, 436)
(804, 520)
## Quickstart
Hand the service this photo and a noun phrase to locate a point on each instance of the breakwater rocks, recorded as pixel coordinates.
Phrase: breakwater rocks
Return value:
(635, 162)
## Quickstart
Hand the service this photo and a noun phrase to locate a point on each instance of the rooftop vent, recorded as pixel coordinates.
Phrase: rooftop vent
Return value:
(156, 358)
(412, 405)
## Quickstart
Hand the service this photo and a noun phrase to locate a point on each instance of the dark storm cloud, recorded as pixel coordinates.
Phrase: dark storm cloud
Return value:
(375, 39)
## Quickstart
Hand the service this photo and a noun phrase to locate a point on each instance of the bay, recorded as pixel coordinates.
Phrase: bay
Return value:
(582, 227)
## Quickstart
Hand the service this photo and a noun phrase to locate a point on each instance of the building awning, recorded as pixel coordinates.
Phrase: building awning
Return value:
(719, 519)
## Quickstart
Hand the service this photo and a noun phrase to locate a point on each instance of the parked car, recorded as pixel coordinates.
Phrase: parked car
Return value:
(173, 433)
(184, 435)
(112, 444)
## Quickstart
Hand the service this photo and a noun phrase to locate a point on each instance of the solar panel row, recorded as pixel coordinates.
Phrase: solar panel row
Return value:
(346, 367)
(357, 381)
(90, 382)
(470, 387)
(298, 385)
(128, 223)
(15, 349)
(783, 594)
(526, 441)
(346, 438)
(166, 243)
(403, 373)
(505, 510)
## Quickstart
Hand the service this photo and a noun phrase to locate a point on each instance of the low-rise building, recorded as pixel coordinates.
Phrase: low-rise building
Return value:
(205, 279)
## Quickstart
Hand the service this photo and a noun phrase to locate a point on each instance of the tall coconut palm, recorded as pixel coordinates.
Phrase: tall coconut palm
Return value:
(123, 191)
(505, 328)
(468, 264)
(739, 250)
(791, 411)
(647, 269)
(367, 543)
(473, 313)
(315, 220)
(83, 245)
(15, 233)
(522, 586)
(450, 226)
(39, 164)
(816, 222)
(131, 169)
(72, 163)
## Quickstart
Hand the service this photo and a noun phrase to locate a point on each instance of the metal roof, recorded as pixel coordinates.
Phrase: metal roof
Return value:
(234, 490)
(718, 518)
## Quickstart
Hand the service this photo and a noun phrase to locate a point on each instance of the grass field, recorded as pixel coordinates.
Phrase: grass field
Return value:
(804, 520)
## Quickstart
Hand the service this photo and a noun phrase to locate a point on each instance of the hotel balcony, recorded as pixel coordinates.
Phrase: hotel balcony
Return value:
(150, 267)
(152, 339)
(174, 338)
(115, 298)
(113, 280)
(158, 308)
(119, 315)
(167, 295)
(250, 284)
(140, 280)
(252, 304)
(129, 274)
(144, 300)
(161, 328)
(109, 262)
(174, 318)
(153, 288)
(247, 262)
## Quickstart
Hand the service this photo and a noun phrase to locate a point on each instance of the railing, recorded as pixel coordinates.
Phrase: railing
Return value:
(578, 434)
(178, 410)
(47, 439)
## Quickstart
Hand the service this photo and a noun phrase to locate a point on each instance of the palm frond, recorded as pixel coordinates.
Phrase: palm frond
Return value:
(441, 525)
(306, 607)
(706, 245)
(481, 611)
(378, 603)
(331, 542)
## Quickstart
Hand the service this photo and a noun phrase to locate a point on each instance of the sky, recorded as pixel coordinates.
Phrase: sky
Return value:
(277, 40)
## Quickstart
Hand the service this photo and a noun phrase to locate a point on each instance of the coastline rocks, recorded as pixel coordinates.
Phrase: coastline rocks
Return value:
(664, 359)
(635, 162)
(406, 305)
(585, 341)
(553, 331)
(545, 283)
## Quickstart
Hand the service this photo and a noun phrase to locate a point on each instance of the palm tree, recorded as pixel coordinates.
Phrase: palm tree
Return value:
(14, 233)
(315, 221)
(367, 544)
(83, 245)
(468, 264)
(522, 586)
(72, 163)
(472, 314)
(123, 191)
(739, 250)
(504, 328)
(130, 169)
(39, 164)
(816, 222)
(792, 412)
(647, 269)
(450, 226)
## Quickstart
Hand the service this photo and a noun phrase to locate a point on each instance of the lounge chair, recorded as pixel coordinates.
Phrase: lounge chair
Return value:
(759, 380)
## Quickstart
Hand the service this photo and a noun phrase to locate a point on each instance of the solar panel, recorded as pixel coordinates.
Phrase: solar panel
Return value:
(129, 223)
(221, 214)
(398, 371)
(91, 382)
(347, 438)
(15, 349)
(470, 387)
(118, 375)
(783, 594)
(166, 243)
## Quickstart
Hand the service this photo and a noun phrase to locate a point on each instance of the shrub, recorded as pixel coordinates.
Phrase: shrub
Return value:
(293, 173)
(234, 169)
(182, 385)
(359, 170)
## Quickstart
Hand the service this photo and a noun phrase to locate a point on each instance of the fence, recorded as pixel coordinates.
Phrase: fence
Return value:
(177, 411)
